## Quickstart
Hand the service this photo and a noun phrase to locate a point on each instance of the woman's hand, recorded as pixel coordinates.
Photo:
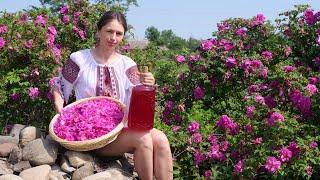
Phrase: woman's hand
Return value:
(57, 99)
(147, 78)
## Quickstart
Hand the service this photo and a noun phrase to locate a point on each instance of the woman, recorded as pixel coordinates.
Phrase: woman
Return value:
(102, 71)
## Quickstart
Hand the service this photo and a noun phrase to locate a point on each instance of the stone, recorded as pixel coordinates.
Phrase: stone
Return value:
(36, 173)
(39, 152)
(78, 159)
(15, 155)
(6, 148)
(135, 175)
(55, 176)
(129, 158)
(84, 171)
(20, 166)
(5, 168)
(9, 139)
(10, 177)
(52, 177)
(28, 134)
(56, 169)
(127, 163)
(119, 162)
(49, 138)
(110, 174)
(65, 165)
(16, 129)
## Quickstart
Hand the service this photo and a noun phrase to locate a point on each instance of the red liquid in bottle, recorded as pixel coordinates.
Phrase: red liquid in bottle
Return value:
(142, 106)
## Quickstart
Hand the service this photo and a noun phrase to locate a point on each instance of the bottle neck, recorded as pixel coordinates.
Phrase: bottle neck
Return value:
(144, 87)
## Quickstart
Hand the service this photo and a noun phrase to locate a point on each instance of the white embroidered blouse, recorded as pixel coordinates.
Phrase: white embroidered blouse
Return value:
(88, 78)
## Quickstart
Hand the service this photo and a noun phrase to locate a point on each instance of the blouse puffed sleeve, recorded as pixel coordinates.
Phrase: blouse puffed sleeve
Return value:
(67, 78)
(132, 76)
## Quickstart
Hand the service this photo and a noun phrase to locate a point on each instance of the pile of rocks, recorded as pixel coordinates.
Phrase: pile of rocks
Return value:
(26, 153)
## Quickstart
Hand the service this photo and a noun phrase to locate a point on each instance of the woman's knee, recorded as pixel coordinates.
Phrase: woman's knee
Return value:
(143, 139)
(160, 140)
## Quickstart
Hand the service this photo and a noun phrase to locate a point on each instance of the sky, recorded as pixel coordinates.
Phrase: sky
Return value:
(188, 18)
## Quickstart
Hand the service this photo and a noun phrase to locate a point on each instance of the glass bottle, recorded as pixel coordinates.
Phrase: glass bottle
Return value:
(142, 107)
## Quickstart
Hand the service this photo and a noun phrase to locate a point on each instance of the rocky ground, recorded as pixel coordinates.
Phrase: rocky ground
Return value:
(27, 153)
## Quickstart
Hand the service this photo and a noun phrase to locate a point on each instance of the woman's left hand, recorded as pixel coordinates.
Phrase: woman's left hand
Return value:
(147, 78)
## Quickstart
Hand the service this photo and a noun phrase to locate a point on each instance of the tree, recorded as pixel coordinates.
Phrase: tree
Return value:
(193, 43)
(152, 34)
(121, 5)
(168, 39)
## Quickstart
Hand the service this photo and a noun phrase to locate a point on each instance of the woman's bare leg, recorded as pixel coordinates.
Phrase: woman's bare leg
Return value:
(162, 157)
(139, 142)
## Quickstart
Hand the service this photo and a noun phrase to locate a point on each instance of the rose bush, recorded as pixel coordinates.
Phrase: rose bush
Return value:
(248, 105)
(34, 44)
(245, 104)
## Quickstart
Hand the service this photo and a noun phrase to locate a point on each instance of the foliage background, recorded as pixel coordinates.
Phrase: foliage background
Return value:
(228, 104)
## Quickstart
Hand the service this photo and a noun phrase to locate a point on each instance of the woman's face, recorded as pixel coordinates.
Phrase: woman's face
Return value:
(111, 34)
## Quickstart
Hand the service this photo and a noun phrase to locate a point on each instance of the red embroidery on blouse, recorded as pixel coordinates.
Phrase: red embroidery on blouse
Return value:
(98, 83)
(114, 84)
(107, 82)
(70, 71)
(132, 74)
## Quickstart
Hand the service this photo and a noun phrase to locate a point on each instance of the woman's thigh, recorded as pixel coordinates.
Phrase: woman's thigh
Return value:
(126, 141)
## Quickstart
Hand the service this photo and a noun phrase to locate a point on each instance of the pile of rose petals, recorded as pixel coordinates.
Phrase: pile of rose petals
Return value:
(88, 120)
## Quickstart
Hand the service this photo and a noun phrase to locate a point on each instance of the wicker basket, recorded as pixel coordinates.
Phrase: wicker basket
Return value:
(91, 144)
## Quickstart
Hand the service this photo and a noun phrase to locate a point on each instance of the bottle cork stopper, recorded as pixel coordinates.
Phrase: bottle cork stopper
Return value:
(145, 69)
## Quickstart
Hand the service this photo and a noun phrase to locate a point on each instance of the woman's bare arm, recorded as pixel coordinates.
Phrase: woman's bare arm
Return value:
(57, 99)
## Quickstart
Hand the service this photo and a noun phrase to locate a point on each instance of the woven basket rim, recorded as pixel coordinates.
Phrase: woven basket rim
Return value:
(110, 134)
